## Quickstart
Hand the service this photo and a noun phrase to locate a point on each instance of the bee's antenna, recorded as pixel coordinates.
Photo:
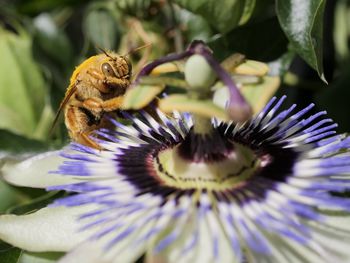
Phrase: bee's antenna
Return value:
(104, 51)
(136, 49)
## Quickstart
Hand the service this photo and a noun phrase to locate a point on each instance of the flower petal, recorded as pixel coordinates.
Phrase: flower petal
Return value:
(34, 171)
(95, 252)
(87, 252)
(48, 229)
(146, 206)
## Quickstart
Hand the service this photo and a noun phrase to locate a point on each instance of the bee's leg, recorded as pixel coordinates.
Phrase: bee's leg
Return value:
(94, 105)
(121, 83)
(83, 138)
(116, 103)
(112, 104)
(99, 77)
(96, 74)
(78, 128)
(98, 105)
(117, 83)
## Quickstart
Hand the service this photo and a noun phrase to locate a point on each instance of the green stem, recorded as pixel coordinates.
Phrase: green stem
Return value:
(201, 125)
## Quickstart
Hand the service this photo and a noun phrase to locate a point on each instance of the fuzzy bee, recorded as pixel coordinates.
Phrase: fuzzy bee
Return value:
(95, 91)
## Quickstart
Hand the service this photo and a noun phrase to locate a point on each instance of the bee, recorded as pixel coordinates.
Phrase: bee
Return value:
(95, 92)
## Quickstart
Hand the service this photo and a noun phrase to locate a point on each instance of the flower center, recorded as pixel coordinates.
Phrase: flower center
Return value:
(173, 170)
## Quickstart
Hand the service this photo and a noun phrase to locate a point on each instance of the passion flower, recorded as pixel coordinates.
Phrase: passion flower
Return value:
(243, 191)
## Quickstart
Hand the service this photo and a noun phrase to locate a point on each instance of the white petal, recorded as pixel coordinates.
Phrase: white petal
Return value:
(48, 229)
(341, 221)
(95, 251)
(34, 171)
(88, 252)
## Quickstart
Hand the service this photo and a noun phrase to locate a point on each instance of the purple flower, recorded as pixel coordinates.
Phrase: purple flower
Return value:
(244, 192)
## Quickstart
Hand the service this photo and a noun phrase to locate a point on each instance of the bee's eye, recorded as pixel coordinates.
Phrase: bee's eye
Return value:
(107, 70)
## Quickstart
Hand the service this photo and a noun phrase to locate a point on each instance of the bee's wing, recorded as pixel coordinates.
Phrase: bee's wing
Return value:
(69, 93)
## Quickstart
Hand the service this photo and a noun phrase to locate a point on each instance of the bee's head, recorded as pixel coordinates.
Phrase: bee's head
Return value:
(114, 65)
(119, 65)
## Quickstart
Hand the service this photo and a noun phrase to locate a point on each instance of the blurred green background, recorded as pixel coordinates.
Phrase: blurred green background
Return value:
(306, 43)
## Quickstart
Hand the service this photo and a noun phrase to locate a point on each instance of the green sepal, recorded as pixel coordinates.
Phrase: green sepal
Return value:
(183, 103)
(140, 96)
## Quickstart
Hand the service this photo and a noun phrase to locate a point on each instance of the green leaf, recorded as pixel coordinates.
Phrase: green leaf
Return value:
(52, 40)
(22, 91)
(101, 28)
(302, 22)
(247, 11)
(37, 6)
(8, 253)
(197, 28)
(136, 8)
(183, 103)
(8, 196)
(335, 99)
(47, 257)
(224, 15)
(262, 40)
(35, 204)
(14, 143)
(341, 29)
(280, 66)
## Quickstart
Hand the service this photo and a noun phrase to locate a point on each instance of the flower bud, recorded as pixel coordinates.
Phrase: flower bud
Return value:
(198, 73)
